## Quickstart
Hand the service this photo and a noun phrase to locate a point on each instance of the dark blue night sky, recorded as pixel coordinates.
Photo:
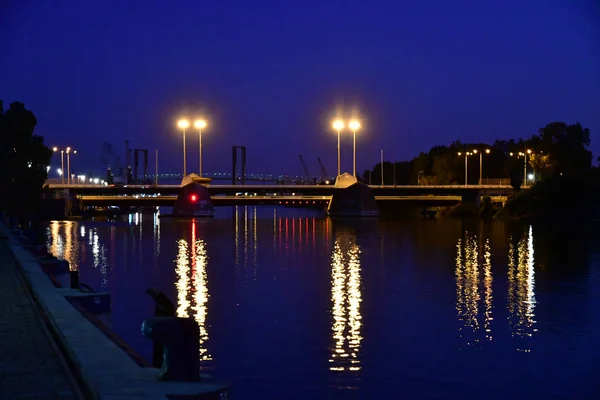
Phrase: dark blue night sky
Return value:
(271, 74)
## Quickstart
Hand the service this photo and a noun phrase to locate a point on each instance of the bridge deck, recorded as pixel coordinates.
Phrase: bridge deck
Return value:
(169, 200)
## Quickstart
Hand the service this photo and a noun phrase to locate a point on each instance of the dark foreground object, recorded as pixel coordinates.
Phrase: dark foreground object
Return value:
(180, 338)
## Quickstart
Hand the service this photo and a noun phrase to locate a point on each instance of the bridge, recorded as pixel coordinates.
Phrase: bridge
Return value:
(315, 190)
(306, 201)
(317, 196)
(226, 176)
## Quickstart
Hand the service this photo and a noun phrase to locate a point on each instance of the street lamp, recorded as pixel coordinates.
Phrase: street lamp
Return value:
(338, 125)
(354, 125)
(68, 151)
(200, 124)
(183, 124)
(487, 151)
(467, 154)
(528, 151)
(62, 163)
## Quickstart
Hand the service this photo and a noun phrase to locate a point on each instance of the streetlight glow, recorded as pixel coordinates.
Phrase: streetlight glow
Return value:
(183, 124)
(354, 126)
(55, 148)
(200, 124)
(487, 151)
(338, 125)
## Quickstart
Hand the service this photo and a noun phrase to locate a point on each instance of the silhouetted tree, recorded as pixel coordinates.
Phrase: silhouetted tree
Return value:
(23, 161)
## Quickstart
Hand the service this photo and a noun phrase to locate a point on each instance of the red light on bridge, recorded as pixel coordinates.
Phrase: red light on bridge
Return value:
(193, 198)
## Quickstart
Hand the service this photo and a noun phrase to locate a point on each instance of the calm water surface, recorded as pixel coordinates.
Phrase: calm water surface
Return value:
(294, 305)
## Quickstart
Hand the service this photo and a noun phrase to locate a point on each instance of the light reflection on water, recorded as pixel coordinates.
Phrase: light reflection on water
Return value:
(341, 295)
(474, 289)
(521, 289)
(192, 284)
(345, 301)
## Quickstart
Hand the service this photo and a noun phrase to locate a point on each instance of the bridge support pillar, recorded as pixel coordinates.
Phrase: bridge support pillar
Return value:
(472, 197)
(193, 200)
(352, 199)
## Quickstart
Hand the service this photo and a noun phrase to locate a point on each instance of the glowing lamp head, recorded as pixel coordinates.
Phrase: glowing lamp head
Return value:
(459, 153)
(528, 151)
(200, 124)
(55, 148)
(487, 151)
(193, 198)
(183, 124)
(475, 151)
(338, 124)
(354, 125)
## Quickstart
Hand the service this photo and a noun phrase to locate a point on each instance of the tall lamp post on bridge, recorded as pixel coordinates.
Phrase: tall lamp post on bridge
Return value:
(354, 126)
(524, 154)
(183, 124)
(338, 125)
(528, 151)
(487, 151)
(467, 154)
(62, 164)
(200, 124)
(68, 151)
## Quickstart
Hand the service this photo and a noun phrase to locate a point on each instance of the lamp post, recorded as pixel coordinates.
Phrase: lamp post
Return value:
(467, 154)
(354, 125)
(338, 125)
(200, 124)
(68, 151)
(62, 164)
(487, 151)
(528, 151)
(183, 124)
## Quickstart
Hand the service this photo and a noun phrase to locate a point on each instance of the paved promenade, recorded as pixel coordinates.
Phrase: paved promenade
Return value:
(30, 367)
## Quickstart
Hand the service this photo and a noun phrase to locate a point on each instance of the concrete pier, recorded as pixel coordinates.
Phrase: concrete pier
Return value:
(105, 370)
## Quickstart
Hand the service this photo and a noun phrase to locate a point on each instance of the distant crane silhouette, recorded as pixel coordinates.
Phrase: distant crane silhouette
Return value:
(324, 174)
(304, 167)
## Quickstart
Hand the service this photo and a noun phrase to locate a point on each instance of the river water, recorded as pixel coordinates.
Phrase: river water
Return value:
(294, 305)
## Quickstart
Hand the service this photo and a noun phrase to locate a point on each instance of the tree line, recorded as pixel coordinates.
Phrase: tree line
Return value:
(558, 149)
(24, 161)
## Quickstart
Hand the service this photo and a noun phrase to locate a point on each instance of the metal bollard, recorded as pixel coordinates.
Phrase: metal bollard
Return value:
(163, 308)
(179, 338)
(74, 275)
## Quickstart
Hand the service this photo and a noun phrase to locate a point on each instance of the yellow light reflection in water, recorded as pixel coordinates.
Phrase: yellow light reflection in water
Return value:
(255, 240)
(201, 295)
(487, 285)
(521, 289)
(467, 288)
(345, 299)
(183, 282)
(193, 261)
(245, 236)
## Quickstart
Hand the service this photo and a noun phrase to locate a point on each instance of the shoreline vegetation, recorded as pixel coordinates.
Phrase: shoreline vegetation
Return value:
(556, 162)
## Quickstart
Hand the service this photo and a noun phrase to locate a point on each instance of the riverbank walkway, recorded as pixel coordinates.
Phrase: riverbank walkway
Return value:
(31, 366)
